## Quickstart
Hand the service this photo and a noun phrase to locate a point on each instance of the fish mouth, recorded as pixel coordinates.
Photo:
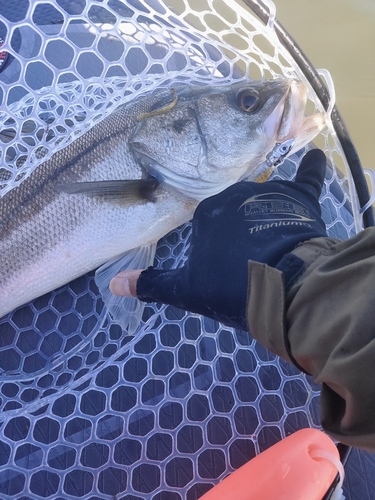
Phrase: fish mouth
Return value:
(288, 121)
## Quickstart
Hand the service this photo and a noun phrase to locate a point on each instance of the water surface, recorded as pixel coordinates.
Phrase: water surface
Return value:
(339, 35)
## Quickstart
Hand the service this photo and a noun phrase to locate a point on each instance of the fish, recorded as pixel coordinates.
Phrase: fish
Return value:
(107, 198)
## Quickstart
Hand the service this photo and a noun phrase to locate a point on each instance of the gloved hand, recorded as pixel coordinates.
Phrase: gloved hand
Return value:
(247, 221)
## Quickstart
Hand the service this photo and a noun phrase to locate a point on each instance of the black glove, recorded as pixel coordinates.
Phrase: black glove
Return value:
(247, 221)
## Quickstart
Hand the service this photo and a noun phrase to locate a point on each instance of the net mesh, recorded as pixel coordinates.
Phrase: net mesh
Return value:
(86, 412)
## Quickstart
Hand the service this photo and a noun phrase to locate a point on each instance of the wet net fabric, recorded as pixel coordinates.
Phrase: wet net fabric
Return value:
(87, 412)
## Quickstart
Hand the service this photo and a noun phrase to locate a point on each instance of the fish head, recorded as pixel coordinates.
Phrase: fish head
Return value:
(201, 140)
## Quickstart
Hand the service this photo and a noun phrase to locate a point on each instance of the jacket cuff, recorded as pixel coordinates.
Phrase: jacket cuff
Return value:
(265, 309)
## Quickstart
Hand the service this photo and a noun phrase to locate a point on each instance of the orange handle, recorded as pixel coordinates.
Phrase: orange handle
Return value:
(291, 469)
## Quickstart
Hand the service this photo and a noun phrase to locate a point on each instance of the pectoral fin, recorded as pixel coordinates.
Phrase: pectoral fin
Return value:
(139, 189)
(126, 311)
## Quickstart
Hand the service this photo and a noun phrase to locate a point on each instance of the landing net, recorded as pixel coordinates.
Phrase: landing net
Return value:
(86, 412)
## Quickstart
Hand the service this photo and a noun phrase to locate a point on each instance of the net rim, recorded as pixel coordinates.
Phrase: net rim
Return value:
(266, 15)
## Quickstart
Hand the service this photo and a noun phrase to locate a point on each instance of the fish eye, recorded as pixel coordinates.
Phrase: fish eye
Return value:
(247, 100)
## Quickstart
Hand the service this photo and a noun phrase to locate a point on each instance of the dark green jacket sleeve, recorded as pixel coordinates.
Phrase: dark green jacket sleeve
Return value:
(327, 319)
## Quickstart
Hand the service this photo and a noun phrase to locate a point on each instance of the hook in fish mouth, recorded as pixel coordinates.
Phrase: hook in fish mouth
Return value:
(279, 152)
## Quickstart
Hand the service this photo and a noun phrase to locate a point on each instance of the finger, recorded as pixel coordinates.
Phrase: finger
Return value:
(124, 284)
(312, 170)
(175, 288)
(166, 286)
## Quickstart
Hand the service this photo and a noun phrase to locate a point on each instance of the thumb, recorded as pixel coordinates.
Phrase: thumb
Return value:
(124, 284)
(166, 286)
(312, 170)
(151, 285)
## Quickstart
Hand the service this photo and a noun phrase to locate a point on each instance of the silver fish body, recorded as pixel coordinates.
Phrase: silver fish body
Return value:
(196, 141)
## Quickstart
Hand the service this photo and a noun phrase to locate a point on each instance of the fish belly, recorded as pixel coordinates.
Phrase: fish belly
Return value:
(106, 230)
